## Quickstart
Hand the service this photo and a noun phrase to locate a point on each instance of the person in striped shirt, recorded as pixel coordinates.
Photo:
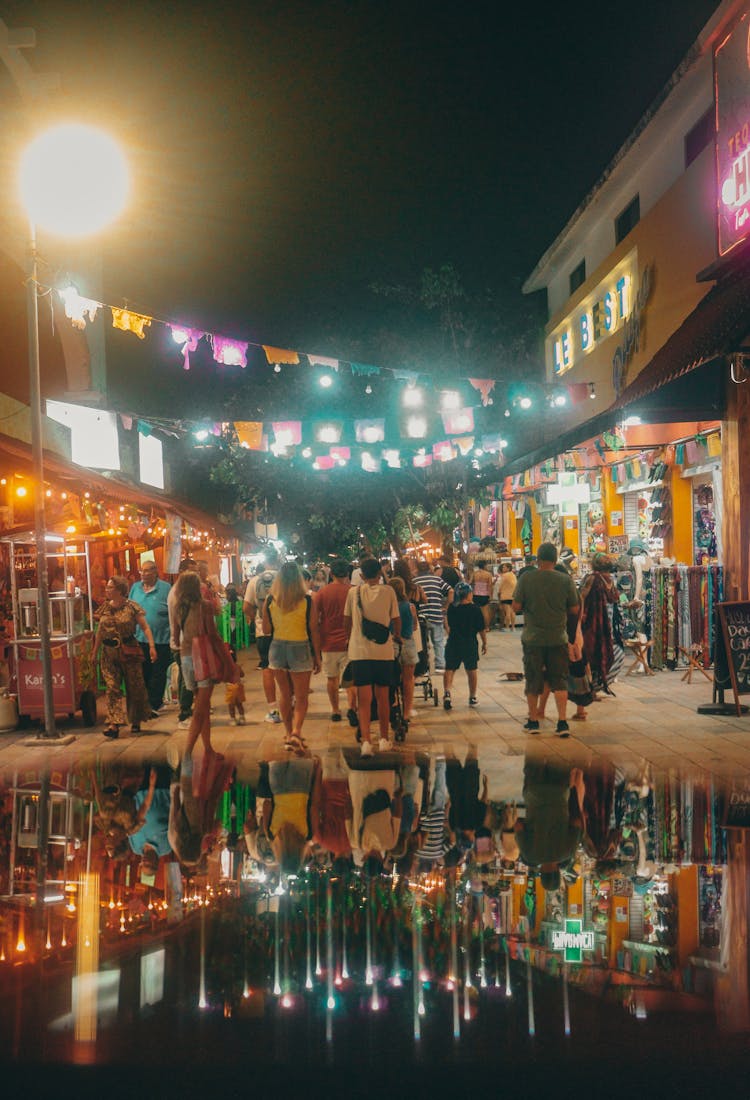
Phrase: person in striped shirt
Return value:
(434, 822)
(438, 595)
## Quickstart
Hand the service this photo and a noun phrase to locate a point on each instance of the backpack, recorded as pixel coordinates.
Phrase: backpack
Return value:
(262, 589)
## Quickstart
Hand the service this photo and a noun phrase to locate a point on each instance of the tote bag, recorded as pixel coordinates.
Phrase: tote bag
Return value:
(211, 657)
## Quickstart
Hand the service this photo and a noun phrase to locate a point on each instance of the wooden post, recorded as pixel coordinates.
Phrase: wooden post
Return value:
(735, 467)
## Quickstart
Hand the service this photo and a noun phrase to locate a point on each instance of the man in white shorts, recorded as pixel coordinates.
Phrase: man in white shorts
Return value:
(328, 606)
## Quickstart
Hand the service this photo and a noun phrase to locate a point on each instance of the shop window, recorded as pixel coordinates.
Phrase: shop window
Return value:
(699, 137)
(628, 219)
(577, 276)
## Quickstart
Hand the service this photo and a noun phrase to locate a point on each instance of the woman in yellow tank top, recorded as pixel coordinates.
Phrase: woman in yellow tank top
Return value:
(295, 648)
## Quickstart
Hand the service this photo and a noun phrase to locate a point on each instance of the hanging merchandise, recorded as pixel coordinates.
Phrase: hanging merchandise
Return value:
(680, 613)
(704, 526)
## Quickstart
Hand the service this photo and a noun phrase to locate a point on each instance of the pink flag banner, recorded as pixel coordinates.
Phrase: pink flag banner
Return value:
(287, 433)
(188, 338)
(229, 353)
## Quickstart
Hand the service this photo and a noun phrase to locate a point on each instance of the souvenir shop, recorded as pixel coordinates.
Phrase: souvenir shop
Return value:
(650, 496)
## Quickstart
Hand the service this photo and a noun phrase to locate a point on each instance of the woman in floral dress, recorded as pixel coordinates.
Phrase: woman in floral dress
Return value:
(122, 657)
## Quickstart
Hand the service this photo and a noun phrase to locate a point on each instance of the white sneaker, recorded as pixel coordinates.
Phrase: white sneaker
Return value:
(173, 757)
(384, 745)
(413, 714)
(365, 749)
(273, 716)
(184, 724)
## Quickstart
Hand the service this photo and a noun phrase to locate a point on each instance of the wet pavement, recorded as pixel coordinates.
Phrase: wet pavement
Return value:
(333, 975)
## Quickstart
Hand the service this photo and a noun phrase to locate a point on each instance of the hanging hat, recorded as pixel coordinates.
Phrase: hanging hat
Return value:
(637, 546)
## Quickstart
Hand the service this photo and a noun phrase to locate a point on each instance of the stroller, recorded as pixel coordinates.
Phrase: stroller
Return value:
(422, 668)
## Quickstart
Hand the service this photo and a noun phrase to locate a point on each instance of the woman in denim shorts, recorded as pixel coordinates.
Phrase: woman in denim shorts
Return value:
(295, 648)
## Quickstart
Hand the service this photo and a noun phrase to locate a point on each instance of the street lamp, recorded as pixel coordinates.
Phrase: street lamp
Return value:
(73, 181)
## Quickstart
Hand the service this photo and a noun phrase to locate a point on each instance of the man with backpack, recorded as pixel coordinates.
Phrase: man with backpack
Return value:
(257, 592)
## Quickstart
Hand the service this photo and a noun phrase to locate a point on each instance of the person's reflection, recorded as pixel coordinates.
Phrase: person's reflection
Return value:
(135, 818)
(553, 827)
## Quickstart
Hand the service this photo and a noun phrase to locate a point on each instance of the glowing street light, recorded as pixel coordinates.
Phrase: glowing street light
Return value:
(73, 181)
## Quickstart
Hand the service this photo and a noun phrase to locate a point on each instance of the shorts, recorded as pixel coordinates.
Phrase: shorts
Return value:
(263, 642)
(481, 601)
(333, 664)
(545, 664)
(290, 656)
(188, 674)
(409, 655)
(461, 653)
(375, 673)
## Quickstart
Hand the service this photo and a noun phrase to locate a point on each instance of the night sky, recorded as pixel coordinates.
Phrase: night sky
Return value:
(288, 155)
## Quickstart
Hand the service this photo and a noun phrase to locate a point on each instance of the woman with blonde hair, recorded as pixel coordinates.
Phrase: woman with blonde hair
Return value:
(295, 648)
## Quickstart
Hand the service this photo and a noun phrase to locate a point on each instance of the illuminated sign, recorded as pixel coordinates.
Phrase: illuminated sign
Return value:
(732, 92)
(573, 941)
(598, 316)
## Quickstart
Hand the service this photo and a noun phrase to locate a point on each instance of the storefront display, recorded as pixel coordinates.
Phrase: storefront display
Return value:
(680, 613)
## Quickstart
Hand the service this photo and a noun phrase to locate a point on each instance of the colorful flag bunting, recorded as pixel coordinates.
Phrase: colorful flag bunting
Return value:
(249, 433)
(364, 369)
(76, 307)
(189, 338)
(458, 421)
(280, 355)
(229, 353)
(323, 361)
(485, 386)
(369, 431)
(287, 433)
(130, 322)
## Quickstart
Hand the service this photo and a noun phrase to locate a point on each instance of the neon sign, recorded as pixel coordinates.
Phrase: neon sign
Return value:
(732, 94)
(573, 941)
(599, 315)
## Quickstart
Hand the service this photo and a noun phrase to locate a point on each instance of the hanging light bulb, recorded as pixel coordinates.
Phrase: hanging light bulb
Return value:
(368, 388)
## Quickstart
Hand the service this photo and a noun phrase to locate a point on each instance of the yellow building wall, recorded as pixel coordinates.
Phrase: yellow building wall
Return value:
(680, 544)
(685, 887)
(618, 930)
(661, 240)
(575, 898)
(612, 502)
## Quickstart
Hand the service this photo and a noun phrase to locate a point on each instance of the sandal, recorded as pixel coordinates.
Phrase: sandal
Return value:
(295, 743)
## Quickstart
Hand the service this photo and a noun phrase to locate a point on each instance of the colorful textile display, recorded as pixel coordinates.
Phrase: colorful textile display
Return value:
(680, 602)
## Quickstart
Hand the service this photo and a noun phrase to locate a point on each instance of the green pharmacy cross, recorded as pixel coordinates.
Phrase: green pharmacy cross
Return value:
(573, 941)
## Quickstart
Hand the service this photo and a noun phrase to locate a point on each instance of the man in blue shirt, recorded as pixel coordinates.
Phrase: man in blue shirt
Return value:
(151, 593)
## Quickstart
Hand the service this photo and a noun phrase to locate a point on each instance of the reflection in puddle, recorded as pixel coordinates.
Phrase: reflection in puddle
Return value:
(322, 904)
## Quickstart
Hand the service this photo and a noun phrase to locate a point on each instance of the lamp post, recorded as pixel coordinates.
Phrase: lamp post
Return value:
(73, 181)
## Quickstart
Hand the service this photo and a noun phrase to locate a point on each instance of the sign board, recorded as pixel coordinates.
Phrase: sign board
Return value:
(732, 93)
(732, 650)
(573, 941)
(737, 809)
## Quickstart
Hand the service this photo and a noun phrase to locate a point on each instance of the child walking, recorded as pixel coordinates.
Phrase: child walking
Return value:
(465, 622)
(234, 695)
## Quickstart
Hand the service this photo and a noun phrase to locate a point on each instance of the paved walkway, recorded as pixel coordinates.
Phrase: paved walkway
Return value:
(652, 718)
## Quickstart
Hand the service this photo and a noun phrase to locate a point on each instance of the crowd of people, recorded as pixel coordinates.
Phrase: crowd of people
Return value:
(369, 628)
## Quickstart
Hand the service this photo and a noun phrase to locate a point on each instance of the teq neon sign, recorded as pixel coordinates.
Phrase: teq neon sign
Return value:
(573, 941)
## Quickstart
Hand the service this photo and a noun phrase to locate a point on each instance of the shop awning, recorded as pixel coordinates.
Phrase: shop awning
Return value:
(140, 495)
(716, 327)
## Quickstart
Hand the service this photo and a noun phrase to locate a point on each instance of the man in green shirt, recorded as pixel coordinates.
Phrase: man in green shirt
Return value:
(549, 602)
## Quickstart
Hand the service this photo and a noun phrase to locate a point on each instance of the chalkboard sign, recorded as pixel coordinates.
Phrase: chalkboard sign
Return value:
(732, 654)
(737, 809)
